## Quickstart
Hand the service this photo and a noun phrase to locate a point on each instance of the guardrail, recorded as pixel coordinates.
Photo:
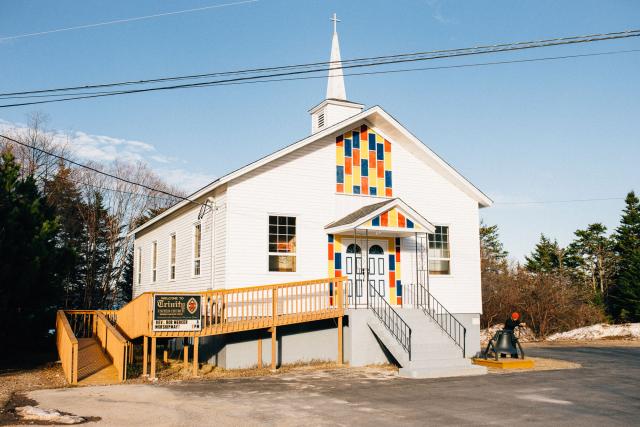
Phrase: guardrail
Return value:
(112, 343)
(424, 300)
(67, 344)
(390, 318)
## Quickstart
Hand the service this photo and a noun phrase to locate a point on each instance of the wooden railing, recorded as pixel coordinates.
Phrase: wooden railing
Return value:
(67, 345)
(112, 343)
(222, 311)
(229, 310)
(134, 319)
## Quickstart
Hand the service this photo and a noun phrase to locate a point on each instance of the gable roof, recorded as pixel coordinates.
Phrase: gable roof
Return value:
(360, 213)
(363, 217)
(379, 120)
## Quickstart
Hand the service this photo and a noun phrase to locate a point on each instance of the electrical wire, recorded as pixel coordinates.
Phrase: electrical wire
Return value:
(121, 21)
(404, 70)
(385, 61)
(101, 172)
(544, 202)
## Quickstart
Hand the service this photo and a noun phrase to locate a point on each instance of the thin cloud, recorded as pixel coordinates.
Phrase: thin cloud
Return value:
(106, 149)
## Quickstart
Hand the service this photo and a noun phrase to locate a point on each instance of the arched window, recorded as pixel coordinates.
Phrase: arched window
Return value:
(351, 247)
(376, 250)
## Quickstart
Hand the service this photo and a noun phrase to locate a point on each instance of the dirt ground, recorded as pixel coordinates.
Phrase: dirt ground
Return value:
(17, 381)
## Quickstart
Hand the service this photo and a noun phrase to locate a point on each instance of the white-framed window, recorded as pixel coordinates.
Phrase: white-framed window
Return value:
(172, 256)
(282, 243)
(139, 266)
(154, 262)
(439, 252)
(197, 248)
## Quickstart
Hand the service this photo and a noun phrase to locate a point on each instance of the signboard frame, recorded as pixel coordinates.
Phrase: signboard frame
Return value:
(177, 313)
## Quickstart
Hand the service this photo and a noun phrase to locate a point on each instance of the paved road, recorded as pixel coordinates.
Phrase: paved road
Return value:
(606, 391)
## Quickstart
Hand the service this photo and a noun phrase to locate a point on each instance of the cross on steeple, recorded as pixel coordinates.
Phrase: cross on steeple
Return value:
(335, 23)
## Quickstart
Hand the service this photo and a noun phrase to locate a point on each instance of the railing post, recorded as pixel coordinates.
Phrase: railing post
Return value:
(74, 364)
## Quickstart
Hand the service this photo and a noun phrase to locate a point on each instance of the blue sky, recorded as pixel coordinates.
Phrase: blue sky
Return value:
(552, 130)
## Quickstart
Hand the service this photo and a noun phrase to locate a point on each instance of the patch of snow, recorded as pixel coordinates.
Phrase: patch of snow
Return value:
(599, 331)
(33, 413)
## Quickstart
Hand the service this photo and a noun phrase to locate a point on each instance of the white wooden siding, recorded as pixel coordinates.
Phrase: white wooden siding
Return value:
(182, 224)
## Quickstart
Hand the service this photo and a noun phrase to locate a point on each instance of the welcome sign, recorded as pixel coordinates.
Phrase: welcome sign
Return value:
(176, 313)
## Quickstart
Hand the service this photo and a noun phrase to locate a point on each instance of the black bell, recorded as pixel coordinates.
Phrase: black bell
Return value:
(504, 343)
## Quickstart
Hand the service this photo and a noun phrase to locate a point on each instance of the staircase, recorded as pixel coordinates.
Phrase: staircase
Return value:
(432, 348)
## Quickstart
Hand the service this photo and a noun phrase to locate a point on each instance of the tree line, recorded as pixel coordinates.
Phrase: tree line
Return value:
(63, 231)
(593, 279)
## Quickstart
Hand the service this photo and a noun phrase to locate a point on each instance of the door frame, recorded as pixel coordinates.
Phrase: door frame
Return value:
(384, 244)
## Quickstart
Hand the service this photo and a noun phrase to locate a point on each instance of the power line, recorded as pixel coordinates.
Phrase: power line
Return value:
(114, 190)
(99, 171)
(565, 40)
(377, 61)
(541, 202)
(404, 70)
(88, 95)
(121, 21)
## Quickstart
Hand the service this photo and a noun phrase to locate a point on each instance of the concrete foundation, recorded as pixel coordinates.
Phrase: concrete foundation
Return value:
(314, 341)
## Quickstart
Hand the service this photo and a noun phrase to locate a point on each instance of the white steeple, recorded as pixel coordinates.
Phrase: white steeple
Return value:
(335, 81)
(335, 108)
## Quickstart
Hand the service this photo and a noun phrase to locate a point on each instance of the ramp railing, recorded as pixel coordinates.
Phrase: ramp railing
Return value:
(67, 344)
(112, 343)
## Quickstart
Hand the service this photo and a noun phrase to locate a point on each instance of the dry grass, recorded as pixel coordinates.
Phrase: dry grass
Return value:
(48, 375)
(175, 371)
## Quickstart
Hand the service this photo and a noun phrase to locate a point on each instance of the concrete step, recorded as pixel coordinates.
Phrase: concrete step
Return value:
(433, 353)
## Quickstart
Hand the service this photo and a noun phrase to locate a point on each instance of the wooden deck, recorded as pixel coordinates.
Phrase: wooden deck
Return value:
(94, 367)
(96, 346)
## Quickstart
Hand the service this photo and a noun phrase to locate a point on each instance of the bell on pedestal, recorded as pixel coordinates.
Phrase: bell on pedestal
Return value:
(504, 342)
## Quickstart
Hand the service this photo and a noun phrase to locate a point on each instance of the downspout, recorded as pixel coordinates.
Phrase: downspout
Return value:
(212, 200)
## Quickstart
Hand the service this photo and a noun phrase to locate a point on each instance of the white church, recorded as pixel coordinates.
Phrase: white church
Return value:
(361, 197)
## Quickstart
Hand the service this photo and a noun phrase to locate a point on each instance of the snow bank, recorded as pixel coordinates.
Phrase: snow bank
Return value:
(599, 331)
(33, 413)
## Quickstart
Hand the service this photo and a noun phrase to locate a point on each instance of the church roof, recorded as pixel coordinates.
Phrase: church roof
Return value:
(380, 121)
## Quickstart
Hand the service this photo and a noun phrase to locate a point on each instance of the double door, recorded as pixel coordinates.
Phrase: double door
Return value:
(361, 272)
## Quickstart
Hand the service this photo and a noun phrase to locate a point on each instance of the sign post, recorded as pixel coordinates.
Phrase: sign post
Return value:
(177, 313)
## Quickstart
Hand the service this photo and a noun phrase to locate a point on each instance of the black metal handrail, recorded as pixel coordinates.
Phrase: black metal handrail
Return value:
(447, 321)
(390, 319)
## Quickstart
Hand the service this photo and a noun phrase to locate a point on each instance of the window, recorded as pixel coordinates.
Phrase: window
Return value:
(139, 266)
(282, 243)
(172, 257)
(154, 261)
(439, 253)
(197, 248)
(320, 120)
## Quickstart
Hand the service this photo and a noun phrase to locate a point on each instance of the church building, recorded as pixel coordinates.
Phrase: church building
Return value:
(360, 198)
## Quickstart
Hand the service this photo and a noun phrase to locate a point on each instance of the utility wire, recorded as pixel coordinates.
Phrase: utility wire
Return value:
(545, 202)
(99, 171)
(375, 61)
(121, 21)
(367, 73)
(567, 40)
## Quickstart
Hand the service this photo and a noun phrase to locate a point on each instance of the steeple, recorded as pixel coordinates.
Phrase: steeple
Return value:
(335, 108)
(335, 80)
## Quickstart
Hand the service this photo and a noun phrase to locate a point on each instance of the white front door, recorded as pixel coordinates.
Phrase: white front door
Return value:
(355, 257)
(378, 269)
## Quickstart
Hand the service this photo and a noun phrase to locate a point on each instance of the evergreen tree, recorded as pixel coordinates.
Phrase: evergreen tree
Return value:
(624, 300)
(33, 264)
(64, 195)
(592, 258)
(547, 257)
(492, 253)
(95, 272)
